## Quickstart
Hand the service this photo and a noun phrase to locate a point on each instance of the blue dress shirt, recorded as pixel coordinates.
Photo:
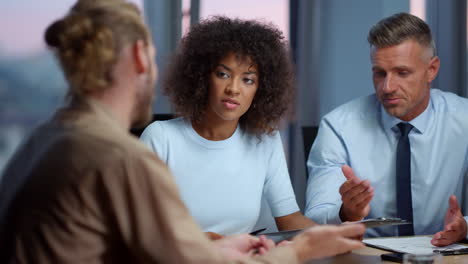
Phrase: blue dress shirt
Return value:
(364, 136)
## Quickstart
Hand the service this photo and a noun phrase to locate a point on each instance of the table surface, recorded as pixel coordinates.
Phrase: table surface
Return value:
(372, 255)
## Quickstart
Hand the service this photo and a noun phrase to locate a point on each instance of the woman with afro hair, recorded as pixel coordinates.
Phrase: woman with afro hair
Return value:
(231, 82)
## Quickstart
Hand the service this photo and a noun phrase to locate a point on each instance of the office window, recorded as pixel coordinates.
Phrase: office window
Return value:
(418, 8)
(186, 5)
(31, 83)
(275, 11)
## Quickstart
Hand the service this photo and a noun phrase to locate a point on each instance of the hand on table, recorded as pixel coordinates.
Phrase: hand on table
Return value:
(356, 195)
(237, 247)
(454, 226)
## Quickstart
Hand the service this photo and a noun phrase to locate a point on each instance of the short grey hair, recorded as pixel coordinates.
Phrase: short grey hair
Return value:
(398, 28)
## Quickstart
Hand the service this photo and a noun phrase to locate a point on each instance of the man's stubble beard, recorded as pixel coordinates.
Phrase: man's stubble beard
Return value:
(143, 109)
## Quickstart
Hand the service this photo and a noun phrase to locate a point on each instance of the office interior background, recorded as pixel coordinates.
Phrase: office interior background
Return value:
(328, 40)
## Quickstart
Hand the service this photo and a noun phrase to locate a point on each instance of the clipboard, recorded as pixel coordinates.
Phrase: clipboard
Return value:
(381, 221)
(415, 245)
(451, 252)
(369, 223)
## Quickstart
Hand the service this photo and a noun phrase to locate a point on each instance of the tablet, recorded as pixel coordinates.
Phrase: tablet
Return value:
(282, 235)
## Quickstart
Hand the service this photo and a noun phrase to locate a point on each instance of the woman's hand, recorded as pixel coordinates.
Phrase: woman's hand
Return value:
(327, 240)
(213, 235)
(241, 246)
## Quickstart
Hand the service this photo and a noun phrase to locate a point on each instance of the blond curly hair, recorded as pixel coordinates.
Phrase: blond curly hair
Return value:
(88, 40)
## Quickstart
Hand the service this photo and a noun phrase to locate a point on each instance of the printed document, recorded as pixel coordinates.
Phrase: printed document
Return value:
(414, 245)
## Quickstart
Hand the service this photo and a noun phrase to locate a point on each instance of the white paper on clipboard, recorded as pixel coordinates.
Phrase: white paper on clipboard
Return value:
(413, 245)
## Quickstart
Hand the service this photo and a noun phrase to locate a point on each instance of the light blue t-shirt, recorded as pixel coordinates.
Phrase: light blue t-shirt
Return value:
(364, 136)
(222, 182)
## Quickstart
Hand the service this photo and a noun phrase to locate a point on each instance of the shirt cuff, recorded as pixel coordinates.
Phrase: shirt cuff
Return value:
(334, 215)
(466, 220)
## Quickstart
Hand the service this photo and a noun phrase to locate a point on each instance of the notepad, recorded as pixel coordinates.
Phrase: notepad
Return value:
(413, 245)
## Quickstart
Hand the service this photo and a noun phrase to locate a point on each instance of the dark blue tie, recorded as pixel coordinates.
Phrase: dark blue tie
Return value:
(403, 178)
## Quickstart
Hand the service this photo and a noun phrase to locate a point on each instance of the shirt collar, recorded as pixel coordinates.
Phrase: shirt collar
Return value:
(420, 123)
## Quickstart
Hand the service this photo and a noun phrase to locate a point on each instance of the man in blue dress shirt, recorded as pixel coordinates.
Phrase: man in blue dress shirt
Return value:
(406, 125)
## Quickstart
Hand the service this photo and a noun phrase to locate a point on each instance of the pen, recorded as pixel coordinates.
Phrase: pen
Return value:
(257, 231)
(452, 252)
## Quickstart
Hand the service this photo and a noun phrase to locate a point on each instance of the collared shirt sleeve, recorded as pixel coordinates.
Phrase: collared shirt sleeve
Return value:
(464, 199)
(466, 220)
(328, 154)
